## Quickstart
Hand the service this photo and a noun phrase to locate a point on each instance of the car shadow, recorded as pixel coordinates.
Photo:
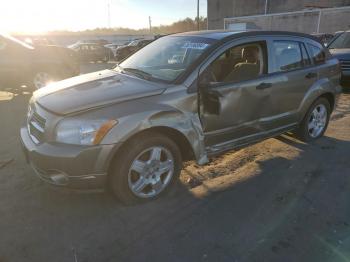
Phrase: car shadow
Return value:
(281, 212)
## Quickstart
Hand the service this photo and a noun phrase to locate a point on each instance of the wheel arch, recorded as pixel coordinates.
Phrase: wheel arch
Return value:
(331, 99)
(321, 88)
(175, 135)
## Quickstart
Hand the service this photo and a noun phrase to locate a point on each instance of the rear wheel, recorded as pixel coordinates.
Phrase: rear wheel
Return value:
(315, 122)
(145, 169)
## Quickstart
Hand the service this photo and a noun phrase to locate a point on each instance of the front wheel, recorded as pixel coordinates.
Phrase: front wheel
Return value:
(315, 122)
(146, 168)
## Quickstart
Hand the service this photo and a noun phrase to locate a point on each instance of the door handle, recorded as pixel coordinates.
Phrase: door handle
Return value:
(311, 75)
(263, 86)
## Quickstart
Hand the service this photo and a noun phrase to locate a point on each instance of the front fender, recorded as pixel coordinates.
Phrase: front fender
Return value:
(187, 123)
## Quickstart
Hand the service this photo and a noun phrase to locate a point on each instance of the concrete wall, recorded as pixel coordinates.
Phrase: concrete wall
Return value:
(220, 9)
(331, 20)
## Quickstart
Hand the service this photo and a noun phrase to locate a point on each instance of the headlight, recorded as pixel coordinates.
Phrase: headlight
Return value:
(83, 132)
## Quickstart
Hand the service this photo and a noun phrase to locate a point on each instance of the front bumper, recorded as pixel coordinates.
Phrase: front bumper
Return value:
(73, 166)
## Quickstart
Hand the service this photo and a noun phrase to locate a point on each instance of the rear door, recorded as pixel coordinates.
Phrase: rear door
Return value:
(292, 75)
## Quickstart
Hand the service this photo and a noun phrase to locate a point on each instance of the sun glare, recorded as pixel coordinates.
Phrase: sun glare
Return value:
(39, 16)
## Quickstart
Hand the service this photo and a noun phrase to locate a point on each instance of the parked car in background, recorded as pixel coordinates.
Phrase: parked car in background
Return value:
(130, 128)
(24, 64)
(127, 50)
(340, 48)
(90, 52)
(324, 38)
(113, 47)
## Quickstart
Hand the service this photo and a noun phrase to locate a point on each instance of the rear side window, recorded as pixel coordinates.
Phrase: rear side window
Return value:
(317, 54)
(287, 55)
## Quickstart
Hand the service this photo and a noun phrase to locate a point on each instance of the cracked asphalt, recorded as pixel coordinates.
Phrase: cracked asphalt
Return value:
(278, 200)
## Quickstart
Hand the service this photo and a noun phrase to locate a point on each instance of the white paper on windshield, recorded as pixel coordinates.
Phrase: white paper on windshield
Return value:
(198, 46)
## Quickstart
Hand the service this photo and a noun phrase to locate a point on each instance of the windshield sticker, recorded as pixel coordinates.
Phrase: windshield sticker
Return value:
(199, 46)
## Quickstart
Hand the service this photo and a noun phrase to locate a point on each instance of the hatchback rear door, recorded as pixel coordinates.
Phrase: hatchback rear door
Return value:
(292, 75)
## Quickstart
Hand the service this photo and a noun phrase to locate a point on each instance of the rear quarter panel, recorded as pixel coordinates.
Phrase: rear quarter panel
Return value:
(328, 81)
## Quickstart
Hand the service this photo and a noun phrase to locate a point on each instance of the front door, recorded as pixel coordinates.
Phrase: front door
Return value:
(235, 95)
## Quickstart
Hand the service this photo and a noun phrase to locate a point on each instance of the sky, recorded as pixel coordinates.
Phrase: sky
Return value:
(37, 16)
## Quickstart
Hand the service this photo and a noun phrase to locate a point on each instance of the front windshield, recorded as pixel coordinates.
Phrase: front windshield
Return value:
(168, 57)
(342, 41)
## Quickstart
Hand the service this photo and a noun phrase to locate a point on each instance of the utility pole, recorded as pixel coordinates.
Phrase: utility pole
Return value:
(198, 26)
(266, 6)
(109, 13)
(150, 24)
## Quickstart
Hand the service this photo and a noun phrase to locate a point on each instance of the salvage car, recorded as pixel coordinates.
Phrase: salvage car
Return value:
(22, 63)
(340, 48)
(124, 51)
(130, 128)
(91, 52)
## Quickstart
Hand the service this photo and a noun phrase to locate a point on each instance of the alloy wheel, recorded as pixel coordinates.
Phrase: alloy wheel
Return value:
(317, 120)
(151, 172)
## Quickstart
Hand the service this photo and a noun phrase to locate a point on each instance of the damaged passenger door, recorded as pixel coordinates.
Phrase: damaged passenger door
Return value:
(235, 95)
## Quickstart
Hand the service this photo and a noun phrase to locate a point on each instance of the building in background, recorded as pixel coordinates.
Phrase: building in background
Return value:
(308, 16)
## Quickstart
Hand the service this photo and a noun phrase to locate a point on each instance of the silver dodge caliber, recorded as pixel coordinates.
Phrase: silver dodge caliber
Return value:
(185, 96)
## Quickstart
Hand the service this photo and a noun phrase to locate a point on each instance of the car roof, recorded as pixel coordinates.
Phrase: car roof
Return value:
(228, 34)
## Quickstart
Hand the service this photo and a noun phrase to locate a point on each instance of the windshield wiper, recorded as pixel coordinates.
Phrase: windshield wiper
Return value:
(138, 72)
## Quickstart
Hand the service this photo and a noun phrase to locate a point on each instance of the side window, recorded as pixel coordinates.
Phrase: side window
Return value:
(93, 47)
(317, 54)
(239, 63)
(85, 47)
(287, 55)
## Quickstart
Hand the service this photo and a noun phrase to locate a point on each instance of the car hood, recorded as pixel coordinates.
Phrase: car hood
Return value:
(93, 90)
(343, 54)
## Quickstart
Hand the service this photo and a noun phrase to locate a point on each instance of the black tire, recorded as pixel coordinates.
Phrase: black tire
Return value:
(118, 178)
(303, 131)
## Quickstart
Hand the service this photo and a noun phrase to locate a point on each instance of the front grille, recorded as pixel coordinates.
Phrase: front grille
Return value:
(36, 126)
(345, 65)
